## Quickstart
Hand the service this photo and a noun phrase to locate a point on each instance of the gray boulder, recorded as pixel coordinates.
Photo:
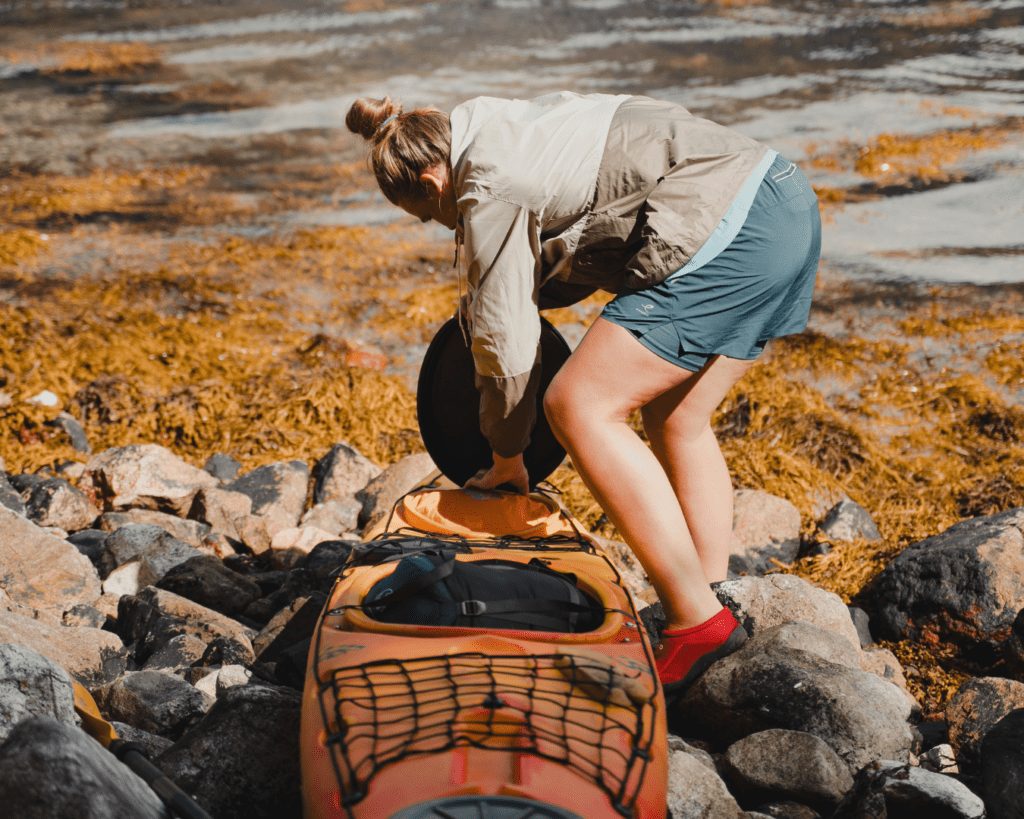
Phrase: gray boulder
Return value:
(152, 744)
(32, 686)
(91, 655)
(48, 769)
(151, 551)
(889, 788)
(154, 701)
(223, 467)
(341, 473)
(207, 581)
(150, 619)
(779, 764)
(974, 710)
(847, 521)
(765, 532)
(334, 516)
(71, 427)
(696, 791)
(43, 571)
(222, 510)
(277, 491)
(177, 655)
(55, 502)
(379, 495)
(1002, 767)
(192, 532)
(964, 585)
(769, 684)
(241, 761)
(763, 602)
(145, 475)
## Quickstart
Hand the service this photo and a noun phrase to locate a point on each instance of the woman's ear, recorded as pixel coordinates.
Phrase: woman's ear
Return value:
(433, 181)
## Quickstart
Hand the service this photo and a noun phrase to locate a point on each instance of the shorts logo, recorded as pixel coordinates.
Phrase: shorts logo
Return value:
(645, 309)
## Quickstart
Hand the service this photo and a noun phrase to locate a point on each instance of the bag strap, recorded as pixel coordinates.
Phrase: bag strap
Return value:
(535, 612)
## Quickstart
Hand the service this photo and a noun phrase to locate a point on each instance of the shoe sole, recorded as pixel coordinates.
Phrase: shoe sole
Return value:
(736, 639)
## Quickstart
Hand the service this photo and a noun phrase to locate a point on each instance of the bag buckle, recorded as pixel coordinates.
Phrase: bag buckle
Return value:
(472, 608)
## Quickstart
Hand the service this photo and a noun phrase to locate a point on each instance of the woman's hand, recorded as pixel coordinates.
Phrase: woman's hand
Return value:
(504, 471)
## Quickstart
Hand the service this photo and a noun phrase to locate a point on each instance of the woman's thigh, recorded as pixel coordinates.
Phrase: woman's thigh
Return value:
(609, 375)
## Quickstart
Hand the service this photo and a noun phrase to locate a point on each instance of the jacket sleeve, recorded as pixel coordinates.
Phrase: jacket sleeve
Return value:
(557, 293)
(502, 247)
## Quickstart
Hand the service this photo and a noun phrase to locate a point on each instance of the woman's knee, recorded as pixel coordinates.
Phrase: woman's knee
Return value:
(559, 404)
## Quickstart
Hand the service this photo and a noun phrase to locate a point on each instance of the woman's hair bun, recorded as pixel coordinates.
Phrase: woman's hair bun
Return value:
(366, 115)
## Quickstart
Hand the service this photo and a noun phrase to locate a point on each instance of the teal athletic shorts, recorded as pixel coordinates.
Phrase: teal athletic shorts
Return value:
(758, 288)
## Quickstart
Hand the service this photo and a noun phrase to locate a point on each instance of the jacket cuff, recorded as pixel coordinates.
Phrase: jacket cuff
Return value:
(508, 410)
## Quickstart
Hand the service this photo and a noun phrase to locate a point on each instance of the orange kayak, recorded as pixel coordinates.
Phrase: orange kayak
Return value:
(421, 721)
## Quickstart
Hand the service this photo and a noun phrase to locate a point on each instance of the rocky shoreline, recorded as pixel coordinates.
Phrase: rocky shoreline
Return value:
(181, 598)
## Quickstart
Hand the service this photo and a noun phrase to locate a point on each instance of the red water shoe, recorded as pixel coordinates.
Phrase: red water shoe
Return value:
(686, 653)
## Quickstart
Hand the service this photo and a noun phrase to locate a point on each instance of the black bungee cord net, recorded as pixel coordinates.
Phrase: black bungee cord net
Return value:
(419, 716)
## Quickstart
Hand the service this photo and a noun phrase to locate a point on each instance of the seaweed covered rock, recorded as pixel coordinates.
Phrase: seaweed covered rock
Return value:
(32, 686)
(765, 529)
(341, 473)
(55, 502)
(779, 765)
(895, 789)
(91, 655)
(145, 475)
(769, 683)
(975, 708)
(49, 769)
(964, 585)
(241, 760)
(43, 571)
(1002, 767)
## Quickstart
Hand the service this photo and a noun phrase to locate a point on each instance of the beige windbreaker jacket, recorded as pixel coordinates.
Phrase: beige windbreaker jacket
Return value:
(565, 194)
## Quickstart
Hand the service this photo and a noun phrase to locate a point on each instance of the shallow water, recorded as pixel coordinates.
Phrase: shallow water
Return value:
(803, 76)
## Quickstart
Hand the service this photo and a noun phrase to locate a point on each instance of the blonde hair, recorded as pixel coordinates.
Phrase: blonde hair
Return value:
(402, 145)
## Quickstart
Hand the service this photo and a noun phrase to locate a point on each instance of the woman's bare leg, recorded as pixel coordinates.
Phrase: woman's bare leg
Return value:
(678, 424)
(608, 376)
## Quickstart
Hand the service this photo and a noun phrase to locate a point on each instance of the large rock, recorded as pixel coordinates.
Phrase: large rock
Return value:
(771, 684)
(289, 546)
(1002, 767)
(223, 467)
(763, 602)
(154, 701)
(277, 491)
(334, 516)
(145, 475)
(975, 708)
(964, 585)
(380, 494)
(91, 655)
(696, 791)
(32, 686)
(779, 764)
(207, 581)
(765, 532)
(177, 655)
(40, 570)
(895, 789)
(241, 761)
(341, 473)
(151, 618)
(156, 551)
(57, 503)
(192, 532)
(222, 510)
(48, 769)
